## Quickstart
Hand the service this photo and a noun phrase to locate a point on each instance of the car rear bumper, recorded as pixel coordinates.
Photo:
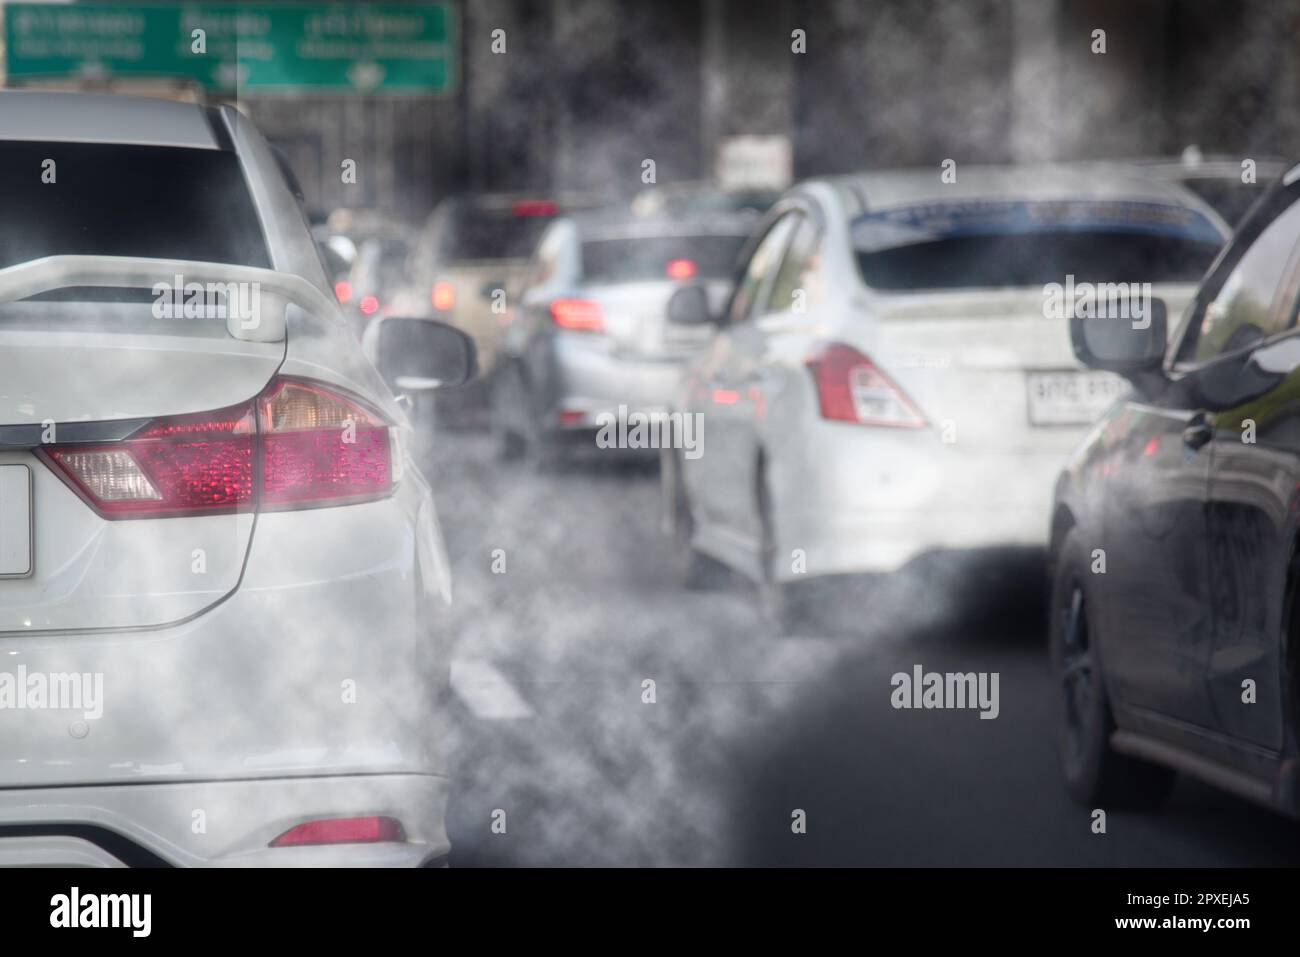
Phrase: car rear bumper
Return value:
(590, 381)
(219, 823)
(872, 501)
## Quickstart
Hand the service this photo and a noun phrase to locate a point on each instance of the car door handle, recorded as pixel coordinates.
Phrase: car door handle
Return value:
(1197, 434)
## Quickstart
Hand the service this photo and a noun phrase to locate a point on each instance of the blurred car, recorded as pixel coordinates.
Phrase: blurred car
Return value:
(1218, 179)
(1175, 629)
(701, 198)
(471, 249)
(365, 253)
(177, 373)
(887, 380)
(591, 331)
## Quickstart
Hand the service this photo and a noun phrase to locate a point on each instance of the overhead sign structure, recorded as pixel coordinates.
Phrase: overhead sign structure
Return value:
(348, 47)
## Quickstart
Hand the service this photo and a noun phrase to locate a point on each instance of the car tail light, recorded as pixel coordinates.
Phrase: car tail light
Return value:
(298, 445)
(581, 315)
(343, 291)
(851, 388)
(680, 268)
(368, 305)
(534, 207)
(443, 296)
(342, 830)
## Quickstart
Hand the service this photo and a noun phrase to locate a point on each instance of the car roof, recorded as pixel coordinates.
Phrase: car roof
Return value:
(620, 223)
(104, 118)
(1104, 181)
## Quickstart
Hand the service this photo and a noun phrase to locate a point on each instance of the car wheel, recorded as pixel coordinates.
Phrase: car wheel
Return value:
(692, 568)
(1095, 774)
(785, 605)
(507, 401)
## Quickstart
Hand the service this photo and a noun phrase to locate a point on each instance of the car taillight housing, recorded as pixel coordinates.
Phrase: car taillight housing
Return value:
(852, 388)
(578, 315)
(300, 444)
(343, 830)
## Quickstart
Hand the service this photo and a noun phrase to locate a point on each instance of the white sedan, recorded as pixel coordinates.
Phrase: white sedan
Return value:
(220, 572)
(894, 376)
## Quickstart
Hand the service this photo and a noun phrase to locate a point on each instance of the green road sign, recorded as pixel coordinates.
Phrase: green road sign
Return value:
(384, 48)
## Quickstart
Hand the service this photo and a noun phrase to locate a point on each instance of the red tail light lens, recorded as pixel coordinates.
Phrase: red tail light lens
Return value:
(342, 830)
(443, 296)
(369, 305)
(680, 268)
(581, 315)
(343, 291)
(299, 445)
(851, 388)
(534, 207)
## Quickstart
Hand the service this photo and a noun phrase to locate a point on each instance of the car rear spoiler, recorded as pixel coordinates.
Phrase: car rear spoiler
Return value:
(257, 314)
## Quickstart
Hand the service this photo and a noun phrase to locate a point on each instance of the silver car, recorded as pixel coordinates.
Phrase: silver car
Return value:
(591, 334)
(894, 374)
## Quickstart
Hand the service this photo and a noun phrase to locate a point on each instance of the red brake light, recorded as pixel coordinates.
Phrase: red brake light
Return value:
(342, 830)
(443, 296)
(851, 388)
(534, 207)
(343, 291)
(369, 305)
(680, 268)
(299, 445)
(581, 315)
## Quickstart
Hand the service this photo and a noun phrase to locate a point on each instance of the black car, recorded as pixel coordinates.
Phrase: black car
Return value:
(1174, 630)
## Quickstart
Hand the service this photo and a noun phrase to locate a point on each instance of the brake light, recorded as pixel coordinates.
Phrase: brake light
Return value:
(581, 315)
(369, 305)
(298, 445)
(680, 268)
(343, 291)
(443, 296)
(342, 830)
(851, 388)
(534, 207)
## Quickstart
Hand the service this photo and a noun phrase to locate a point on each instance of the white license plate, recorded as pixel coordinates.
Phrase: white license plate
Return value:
(15, 521)
(1070, 398)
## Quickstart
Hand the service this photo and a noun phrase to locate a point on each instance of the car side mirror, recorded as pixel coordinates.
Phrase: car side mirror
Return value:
(1128, 346)
(418, 354)
(689, 306)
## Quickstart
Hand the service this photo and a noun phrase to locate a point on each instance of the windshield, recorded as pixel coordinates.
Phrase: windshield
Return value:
(678, 257)
(101, 199)
(997, 244)
(469, 234)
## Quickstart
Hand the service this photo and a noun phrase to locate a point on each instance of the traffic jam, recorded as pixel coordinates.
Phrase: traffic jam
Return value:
(592, 436)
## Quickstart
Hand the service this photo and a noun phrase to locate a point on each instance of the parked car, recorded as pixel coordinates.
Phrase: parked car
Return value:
(591, 331)
(888, 379)
(1174, 622)
(216, 554)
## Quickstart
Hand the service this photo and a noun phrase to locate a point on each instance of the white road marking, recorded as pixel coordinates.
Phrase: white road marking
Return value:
(486, 691)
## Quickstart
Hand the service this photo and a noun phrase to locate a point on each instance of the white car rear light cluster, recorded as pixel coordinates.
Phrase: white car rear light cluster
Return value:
(852, 388)
(300, 444)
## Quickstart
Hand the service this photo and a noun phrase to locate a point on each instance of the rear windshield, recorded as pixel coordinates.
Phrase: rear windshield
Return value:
(680, 257)
(114, 200)
(470, 234)
(994, 244)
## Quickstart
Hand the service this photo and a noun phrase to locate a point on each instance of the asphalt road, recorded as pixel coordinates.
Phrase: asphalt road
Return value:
(556, 746)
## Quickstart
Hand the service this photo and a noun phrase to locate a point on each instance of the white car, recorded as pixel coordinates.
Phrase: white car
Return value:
(220, 571)
(894, 376)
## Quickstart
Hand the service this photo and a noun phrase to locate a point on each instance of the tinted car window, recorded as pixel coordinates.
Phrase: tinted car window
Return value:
(1237, 306)
(471, 234)
(992, 244)
(795, 282)
(114, 200)
(760, 265)
(676, 257)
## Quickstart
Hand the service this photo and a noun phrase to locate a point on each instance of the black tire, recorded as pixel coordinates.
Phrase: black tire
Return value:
(1095, 774)
(785, 605)
(692, 568)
